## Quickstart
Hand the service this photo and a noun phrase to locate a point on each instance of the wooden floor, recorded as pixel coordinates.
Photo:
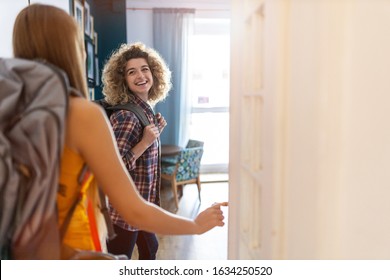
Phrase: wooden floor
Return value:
(208, 246)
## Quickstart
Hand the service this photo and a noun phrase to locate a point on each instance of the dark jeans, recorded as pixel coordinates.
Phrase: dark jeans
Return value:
(125, 241)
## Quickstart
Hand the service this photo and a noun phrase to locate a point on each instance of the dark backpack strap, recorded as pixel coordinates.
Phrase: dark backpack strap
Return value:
(69, 215)
(101, 102)
(105, 211)
(136, 109)
(132, 107)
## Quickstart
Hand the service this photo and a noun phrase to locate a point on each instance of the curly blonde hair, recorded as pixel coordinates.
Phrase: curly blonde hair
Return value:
(115, 88)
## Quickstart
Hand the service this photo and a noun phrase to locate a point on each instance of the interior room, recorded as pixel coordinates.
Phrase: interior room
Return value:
(200, 93)
(290, 99)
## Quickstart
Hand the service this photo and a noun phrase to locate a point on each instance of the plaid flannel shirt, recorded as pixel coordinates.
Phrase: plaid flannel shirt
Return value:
(146, 170)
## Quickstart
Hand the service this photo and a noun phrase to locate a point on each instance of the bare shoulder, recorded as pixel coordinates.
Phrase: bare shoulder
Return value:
(85, 119)
(81, 106)
(85, 111)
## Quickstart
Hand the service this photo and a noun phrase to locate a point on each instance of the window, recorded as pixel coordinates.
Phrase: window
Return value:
(208, 86)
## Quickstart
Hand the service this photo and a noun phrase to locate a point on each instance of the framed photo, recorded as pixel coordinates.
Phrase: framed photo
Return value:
(90, 49)
(97, 73)
(78, 13)
(95, 41)
(91, 93)
(87, 19)
(91, 26)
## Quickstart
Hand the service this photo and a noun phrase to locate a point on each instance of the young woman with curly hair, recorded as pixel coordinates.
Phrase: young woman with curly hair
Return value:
(137, 74)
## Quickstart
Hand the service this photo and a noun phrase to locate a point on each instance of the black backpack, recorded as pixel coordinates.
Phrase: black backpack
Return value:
(132, 107)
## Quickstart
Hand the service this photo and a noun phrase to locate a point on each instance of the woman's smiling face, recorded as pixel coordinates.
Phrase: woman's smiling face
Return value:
(139, 78)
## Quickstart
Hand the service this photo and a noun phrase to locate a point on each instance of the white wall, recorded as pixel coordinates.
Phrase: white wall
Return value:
(139, 15)
(326, 82)
(139, 26)
(337, 171)
(8, 12)
(366, 137)
(9, 9)
(337, 160)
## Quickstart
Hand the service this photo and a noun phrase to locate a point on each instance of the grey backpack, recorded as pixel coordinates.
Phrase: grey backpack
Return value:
(33, 107)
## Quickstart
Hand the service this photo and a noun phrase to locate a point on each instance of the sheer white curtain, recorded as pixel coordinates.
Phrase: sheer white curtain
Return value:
(186, 98)
(171, 28)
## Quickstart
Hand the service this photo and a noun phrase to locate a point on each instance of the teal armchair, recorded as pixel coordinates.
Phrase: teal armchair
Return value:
(171, 160)
(186, 170)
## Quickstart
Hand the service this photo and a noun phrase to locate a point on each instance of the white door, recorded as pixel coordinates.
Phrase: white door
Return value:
(255, 147)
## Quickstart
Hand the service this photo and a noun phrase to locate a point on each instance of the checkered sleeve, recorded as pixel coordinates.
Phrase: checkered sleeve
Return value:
(127, 131)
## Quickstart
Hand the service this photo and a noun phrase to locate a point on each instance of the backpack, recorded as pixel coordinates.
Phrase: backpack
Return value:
(33, 108)
(34, 98)
(132, 107)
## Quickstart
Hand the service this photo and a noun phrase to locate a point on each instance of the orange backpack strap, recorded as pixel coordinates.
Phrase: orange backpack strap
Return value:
(85, 180)
(93, 226)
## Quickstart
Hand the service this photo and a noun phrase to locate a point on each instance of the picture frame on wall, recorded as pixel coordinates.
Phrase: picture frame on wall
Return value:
(87, 19)
(78, 13)
(91, 26)
(91, 93)
(97, 73)
(95, 41)
(90, 49)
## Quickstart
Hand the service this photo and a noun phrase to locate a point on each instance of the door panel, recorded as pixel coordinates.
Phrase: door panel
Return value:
(256, 150)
